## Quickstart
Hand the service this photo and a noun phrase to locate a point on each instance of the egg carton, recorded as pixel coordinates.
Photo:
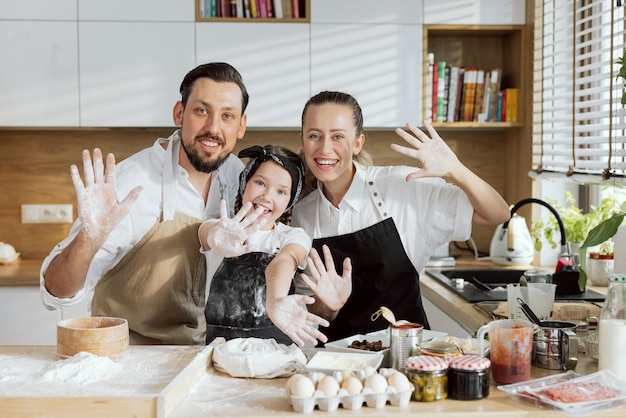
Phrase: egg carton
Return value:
(345, 400)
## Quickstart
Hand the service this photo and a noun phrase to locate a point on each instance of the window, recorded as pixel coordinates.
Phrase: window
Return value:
(578, 122)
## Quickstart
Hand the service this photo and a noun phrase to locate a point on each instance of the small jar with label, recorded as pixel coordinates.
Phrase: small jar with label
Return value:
(429, 377)
(468, 377)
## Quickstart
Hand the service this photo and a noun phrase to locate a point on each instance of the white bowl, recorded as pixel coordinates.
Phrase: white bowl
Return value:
(7, 253)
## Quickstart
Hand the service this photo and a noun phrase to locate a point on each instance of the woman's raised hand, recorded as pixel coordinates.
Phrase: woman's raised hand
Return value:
(435, 156)
(329, 287)
(228, 235)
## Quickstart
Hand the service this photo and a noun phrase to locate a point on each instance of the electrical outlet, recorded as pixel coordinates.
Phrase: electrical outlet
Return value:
(47, 214)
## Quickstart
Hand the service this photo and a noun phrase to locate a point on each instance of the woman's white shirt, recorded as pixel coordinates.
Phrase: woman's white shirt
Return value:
(428, 213)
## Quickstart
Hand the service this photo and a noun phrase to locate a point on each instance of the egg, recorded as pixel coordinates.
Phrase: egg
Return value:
(352, 385)
(376, 383)
(300, 386)
(328, 385)
(345, 374)
(399, 381)
(368, 371)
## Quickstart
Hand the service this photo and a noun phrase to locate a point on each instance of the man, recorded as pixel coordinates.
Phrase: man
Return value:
(135, 240)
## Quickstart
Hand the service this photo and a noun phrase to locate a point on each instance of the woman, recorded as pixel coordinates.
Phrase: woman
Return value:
(386, 220)
(258, 253)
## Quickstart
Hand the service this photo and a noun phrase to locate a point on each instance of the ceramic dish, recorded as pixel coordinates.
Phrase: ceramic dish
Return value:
(467, 345)
(328, 361)
(382, 336)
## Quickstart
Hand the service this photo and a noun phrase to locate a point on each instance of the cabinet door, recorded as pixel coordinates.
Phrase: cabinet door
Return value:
(477, 12)
(380, 65)
(137, 10)
(25, 321)
(130, 72)
(273, 59)
(39, 73)
(38, 9)
(366, 11)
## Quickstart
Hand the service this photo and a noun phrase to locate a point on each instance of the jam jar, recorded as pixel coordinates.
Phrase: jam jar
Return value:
(429, 377)
(468, 377)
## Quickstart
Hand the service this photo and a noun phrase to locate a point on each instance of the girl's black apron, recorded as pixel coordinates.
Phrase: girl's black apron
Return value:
(236, 304)
(382, 275)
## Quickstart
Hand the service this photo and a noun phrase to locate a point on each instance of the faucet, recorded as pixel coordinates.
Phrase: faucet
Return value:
(564, 247)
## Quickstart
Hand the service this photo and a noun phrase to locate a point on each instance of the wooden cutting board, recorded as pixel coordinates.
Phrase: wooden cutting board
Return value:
(147, 382)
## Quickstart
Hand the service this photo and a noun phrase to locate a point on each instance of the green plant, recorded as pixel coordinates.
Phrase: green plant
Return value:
(577, 224)
(598, 235)
(622, 74)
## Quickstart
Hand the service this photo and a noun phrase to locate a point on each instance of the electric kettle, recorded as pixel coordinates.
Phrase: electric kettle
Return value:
(512, 244)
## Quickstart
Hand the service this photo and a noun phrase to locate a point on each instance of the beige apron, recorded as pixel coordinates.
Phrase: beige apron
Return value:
(159, 286)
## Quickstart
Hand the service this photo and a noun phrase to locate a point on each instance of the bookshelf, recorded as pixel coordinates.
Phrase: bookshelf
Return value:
(292, 11)
(505, 146)
(480, 47)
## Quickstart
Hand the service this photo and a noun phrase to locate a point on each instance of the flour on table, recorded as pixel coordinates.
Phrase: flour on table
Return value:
(81, 368)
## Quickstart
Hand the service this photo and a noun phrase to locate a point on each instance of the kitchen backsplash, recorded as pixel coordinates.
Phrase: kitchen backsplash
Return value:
(34, 169)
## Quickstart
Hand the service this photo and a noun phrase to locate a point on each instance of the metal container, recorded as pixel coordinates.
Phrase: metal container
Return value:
(405, 339)
(555, 346)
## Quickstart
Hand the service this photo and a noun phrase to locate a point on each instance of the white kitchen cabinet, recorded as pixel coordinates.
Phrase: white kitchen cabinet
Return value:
(130, 73)
(38, 9)
(380, 65)
(366, 11)
(273, 59)
(137, 10)
(39, 73)
(477, 12)
(441, 321)
(25, 319)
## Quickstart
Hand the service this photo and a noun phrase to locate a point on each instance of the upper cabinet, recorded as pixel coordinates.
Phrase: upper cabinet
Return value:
(137, 10)
(38, 9)
(274, 61)
(118, 63)
(477, 12)
(39, 73)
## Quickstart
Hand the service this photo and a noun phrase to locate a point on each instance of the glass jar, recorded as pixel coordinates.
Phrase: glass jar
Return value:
(612, 328)
(468, 377)
(429, 377)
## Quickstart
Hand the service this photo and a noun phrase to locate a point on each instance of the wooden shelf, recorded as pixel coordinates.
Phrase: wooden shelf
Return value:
(305, 11)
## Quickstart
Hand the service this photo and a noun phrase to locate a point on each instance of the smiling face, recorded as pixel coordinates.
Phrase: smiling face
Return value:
(329, 141)
(270, 188)
(211, 123)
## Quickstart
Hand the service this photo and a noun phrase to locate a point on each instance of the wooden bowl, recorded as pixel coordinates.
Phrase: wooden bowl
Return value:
(102, 336)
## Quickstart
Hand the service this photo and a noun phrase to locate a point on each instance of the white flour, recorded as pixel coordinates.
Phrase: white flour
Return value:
(80, 369)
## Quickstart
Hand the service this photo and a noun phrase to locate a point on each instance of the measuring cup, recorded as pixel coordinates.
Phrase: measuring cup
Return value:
(510, 347)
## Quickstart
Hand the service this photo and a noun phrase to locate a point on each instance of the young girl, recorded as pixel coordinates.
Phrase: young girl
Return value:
(252, 258)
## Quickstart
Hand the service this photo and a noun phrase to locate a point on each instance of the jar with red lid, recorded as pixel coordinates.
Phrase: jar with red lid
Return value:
(429, 377)
(468, 377)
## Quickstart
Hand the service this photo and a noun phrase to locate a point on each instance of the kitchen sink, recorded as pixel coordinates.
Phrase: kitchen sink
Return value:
(480, 285)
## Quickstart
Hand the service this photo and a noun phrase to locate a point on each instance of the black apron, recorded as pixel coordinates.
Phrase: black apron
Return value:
(382, 275)
(236, 304)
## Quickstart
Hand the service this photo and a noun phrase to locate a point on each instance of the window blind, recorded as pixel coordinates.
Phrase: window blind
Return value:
(578, 121)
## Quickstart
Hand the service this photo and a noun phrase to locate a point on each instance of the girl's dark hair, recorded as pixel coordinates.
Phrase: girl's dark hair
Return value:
(216, 71)
(344, 99)
(291, 156)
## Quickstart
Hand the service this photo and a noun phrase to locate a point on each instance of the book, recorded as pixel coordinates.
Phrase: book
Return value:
(254, 12)
(278, 9)
(269, 4)
(501, 107)
(496, 80)
(441, 90)
(452, 93)
(295, 8)
(287, 8)
(511, 104)
(239, 8)
(261, 6)
(435, 86)
(478, 94)
(469, 95)
(459, 96)
(430, 58)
